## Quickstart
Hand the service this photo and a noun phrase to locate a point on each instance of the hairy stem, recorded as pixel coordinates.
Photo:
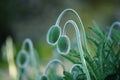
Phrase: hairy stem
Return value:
(85, 69)
(75, 66)
(111, 28)
(32, 56)
(50, 62)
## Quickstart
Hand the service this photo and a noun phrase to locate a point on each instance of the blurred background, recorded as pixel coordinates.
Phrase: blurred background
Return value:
(21, 19)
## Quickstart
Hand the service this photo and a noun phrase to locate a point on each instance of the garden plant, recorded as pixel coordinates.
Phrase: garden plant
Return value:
(95, 56)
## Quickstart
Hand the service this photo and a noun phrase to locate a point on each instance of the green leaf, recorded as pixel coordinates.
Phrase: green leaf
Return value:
(97, 32)
(68, 76)
(69, 58)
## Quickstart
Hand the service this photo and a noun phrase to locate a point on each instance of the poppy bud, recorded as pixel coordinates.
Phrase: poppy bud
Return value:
(63, 45)
(22, 59)
(53, 35)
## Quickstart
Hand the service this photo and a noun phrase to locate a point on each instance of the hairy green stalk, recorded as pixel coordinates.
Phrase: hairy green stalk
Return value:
(111, 28)
(75, 65)
(29, 56)
(44, 76)
(81, 52)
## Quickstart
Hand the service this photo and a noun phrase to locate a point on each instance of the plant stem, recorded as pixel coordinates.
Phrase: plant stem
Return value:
(75, 66)
(111, 28)
(32, 56)
(79, 46)
(50, 62)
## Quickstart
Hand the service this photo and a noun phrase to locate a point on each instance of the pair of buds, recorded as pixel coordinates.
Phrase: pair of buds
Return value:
(54, 37)
(61, 40)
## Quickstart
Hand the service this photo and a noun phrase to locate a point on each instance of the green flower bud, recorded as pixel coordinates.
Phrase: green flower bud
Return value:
(22, 59)
(53, 34)
(63, 45)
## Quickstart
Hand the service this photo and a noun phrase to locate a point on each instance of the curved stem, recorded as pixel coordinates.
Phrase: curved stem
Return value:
(75, 66)
(50, 62)
(85, 69)
(84, 41)
(111, 28)
(32, 56)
